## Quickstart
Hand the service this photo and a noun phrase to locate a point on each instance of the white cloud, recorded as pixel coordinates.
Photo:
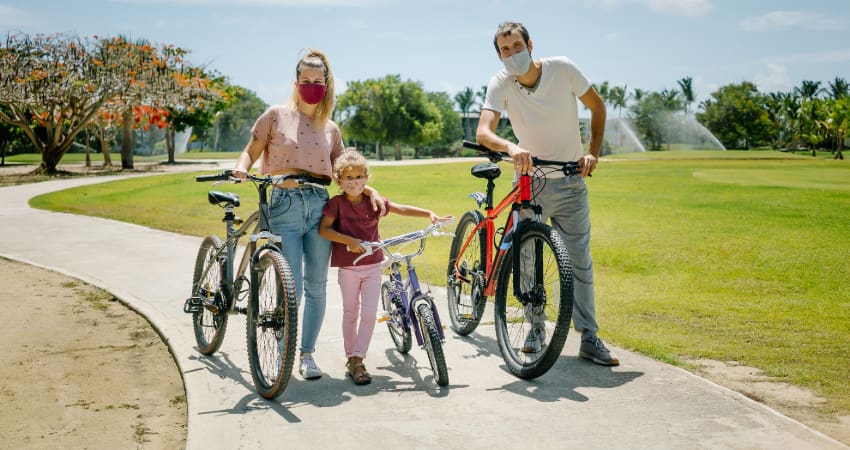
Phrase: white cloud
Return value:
(14, 17)
(691, 8)
(777, 20)
(824, 56)
(774, 78)
(292, 3)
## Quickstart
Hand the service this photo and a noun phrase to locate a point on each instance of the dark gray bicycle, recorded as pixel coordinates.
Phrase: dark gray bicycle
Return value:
(262, 287)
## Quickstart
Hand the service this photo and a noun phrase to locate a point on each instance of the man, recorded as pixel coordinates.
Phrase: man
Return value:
(540, 99)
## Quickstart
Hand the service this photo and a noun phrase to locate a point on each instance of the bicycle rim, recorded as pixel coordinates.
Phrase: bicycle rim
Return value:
(531, 328)
(466, 301)
(398, 332)
(209, 327)
(272, 324)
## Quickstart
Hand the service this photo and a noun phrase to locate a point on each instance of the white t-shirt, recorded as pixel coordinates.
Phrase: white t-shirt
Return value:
(545, 118)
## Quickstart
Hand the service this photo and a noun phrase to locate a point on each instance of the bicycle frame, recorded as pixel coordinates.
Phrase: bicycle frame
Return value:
(257, 222)
(519, 198)
(410, 293)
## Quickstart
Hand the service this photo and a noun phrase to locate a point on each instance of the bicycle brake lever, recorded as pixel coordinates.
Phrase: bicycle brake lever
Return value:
(367, 250)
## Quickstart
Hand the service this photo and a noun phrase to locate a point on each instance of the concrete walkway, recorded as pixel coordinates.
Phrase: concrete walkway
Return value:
(640, 404)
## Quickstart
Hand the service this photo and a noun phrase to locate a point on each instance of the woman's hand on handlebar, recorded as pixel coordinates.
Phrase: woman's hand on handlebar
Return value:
(240, 174)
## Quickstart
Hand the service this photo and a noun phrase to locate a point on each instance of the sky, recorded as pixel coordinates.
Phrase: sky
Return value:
(447, 44)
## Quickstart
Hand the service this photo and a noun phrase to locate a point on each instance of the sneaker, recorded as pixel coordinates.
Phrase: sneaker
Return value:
(308, 368)
(594, 349)
(534, 340)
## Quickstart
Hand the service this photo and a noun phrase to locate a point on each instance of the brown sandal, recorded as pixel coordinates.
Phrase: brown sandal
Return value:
(363, 377)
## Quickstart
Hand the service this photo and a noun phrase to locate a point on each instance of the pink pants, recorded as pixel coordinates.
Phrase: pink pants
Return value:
(361, 292)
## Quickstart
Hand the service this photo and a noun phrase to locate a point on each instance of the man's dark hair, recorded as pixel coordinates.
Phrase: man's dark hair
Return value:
(506, 29)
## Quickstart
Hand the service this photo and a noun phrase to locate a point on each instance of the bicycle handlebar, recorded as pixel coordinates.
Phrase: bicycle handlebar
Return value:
(370, 247)
(568, 167)
(302, 178)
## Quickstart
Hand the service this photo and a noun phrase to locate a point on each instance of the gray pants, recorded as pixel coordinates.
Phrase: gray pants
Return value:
(566, 206)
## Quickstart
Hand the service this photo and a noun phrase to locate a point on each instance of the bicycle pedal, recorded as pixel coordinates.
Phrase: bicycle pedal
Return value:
(240, 310)
(466, 316)
(193, 305)
(383, 317)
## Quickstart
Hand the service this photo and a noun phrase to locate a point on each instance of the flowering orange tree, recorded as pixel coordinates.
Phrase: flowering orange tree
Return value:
(54, 86)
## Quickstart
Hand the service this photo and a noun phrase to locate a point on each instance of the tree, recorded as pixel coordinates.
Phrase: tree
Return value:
(738, 116)
(465, 100)
(55, 85)
(618, 96)
(809, 89)
(687, 90)
(232, 124)
(450, 132)
(839, 88)
(388, 110)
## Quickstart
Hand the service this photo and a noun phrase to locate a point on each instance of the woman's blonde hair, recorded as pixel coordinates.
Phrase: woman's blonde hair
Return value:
(350, 159)
(316, 59)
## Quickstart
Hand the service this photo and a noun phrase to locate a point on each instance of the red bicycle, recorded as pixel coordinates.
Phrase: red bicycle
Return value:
(524, 265)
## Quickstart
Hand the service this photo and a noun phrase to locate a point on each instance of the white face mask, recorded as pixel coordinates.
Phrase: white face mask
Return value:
(518, 63)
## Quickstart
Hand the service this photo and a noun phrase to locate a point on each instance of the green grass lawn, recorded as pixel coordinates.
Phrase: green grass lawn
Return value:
(732, 256)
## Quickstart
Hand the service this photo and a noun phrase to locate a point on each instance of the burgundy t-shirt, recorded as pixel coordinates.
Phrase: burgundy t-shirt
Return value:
(359, 221)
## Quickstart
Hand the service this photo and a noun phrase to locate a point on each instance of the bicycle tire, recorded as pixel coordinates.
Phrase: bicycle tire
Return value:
(515, 316)
(272, 324)
(209, 327)
(398, 332)
(466, 300)
(433, 344)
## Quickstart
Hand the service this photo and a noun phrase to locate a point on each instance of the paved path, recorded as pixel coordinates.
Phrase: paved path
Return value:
(640, 404)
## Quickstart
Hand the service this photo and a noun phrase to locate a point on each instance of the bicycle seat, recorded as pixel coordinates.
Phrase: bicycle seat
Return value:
(487, 170)
(216, 197)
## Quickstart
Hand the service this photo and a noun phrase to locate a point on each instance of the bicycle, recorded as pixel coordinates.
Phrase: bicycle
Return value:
(405, 304)
(219, 291)
(523, 264)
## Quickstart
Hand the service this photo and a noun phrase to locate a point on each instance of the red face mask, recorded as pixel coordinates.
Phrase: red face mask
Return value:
(311, 93)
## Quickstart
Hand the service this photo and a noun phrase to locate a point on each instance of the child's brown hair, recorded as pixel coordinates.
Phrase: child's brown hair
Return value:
(350, 159)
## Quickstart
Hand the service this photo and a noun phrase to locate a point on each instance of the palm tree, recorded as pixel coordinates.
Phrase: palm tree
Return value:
(687, 89)
(617, 95)
(638, 94)
(839, 88)
(809, 89)
(465, 100)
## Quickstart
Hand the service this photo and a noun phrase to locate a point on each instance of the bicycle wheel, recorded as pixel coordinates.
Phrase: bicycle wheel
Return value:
(393, 307)
(272, 324)
(209, 323)
(433, 344)
(465, 286)
(532, 322)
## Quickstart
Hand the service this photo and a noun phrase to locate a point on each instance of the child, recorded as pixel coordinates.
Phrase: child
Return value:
(348, 219)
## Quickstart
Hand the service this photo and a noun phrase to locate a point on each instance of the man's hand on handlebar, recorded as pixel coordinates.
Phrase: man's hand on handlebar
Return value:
(521, 157)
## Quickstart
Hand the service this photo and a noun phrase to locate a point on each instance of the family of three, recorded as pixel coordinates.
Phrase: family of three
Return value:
(318, 231)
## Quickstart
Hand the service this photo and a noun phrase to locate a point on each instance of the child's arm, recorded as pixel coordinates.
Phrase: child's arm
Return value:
(326, 230)
(408, 210)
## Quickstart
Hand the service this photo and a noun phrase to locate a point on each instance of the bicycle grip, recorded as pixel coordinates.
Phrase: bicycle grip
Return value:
(224, 175)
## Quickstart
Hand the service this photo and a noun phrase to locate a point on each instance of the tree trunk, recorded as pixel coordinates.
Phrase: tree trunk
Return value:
(169, 143)
(397, 151)
(50, 158)
(88, 155)
(127, 139)
(379, 153)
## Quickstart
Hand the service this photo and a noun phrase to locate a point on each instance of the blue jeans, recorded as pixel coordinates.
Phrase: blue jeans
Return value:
(295, 216)
(566, 206)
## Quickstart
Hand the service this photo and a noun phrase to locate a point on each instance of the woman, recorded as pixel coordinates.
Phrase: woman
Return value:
(299, 137)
